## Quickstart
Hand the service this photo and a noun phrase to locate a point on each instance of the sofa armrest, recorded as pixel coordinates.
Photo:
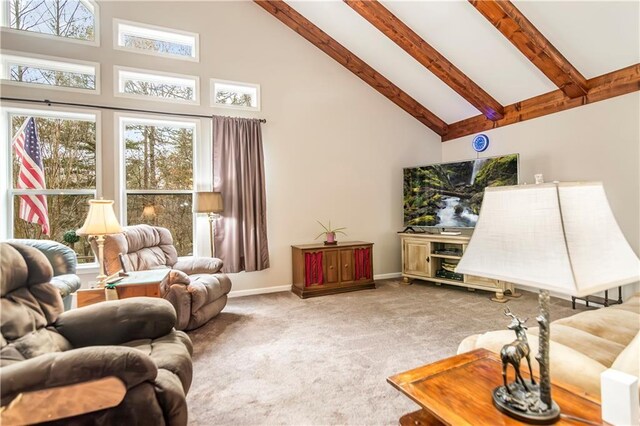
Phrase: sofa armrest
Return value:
(116, 322)
(67, 284)
(198, 265)
(75, 366)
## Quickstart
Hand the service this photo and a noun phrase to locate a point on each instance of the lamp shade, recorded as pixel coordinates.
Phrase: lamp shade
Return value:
(208, 202)
(560, 237)
(101, 220)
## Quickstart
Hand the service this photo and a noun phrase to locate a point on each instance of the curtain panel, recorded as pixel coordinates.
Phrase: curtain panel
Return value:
(238, 173)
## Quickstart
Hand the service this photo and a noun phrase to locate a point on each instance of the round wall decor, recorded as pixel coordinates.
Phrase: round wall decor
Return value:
(480, 143)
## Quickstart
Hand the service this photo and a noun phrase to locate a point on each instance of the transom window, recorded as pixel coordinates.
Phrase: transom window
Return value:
(50, 72)
(156, 85)
(154, 40)
(158, 175)
(234, 94)
(52, 199)
(67, 19)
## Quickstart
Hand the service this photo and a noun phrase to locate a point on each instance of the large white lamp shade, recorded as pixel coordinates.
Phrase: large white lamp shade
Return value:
(561, 237)
(101, 219)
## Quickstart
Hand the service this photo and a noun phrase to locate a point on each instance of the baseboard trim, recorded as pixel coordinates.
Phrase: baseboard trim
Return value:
(254, 291)
(387, 276)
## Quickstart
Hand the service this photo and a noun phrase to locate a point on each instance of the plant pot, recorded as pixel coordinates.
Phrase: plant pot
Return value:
(331, 238)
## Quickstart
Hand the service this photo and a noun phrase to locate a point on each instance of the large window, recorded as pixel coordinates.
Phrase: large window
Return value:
(154, 40)
(75, 20)
(67, 148)
(158, 175)
(50, 72)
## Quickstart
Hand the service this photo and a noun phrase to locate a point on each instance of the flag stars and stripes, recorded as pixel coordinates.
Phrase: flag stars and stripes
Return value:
(33, 208)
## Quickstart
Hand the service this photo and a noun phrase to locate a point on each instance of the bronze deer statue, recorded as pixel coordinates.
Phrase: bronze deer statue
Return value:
(513, 352)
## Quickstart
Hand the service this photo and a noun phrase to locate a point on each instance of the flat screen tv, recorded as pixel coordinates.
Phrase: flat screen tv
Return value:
(449, 195)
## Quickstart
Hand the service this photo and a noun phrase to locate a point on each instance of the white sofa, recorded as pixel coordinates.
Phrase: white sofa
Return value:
(583, 345)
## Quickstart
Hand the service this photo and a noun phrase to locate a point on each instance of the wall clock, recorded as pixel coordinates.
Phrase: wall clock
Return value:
(480, 143)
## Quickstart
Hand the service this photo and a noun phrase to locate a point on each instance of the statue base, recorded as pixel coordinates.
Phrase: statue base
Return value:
(525, 405)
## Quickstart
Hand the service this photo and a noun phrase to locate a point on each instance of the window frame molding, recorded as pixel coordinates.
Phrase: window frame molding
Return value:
(117, 69)
(6, 188)
(116, 40)
(5, 26)
(120, 119)
(5, 72)
(212, 94)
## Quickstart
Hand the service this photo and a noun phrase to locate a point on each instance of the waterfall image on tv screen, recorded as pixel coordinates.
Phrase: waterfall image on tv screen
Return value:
(449, 195)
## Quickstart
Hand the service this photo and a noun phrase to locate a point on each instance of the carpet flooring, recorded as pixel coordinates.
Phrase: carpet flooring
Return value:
(275, 359)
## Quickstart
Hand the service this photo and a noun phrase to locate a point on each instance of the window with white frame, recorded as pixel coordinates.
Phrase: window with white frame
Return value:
(154, 40)
(75, 20)
(158, 175)
(235, 94)
(155, 85)
(50, 72)
(53, 175)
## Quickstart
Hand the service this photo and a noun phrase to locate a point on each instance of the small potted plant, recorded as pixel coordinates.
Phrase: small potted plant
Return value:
(71, 238)
(330, 233)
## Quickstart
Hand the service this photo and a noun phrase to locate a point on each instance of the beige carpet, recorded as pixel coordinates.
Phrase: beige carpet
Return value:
(275, 359)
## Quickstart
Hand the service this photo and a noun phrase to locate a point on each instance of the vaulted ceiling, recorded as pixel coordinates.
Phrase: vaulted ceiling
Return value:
(461, 67)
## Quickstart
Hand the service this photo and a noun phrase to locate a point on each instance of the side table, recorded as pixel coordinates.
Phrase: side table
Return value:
(136, 284)
(457, 391)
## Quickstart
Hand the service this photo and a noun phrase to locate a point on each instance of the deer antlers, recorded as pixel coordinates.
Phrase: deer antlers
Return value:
(508, 313)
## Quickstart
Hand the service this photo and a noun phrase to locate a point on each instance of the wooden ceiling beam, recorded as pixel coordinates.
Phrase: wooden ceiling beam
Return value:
(526, 37)
(385, 21)
(342, 55)
(616, 83)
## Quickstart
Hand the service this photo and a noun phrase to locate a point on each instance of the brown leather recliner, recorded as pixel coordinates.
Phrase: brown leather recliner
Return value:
(42, 347)
(195, 286)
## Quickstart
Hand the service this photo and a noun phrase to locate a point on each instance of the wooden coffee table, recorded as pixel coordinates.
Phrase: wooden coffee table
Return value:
(457, 391)
(136, 284)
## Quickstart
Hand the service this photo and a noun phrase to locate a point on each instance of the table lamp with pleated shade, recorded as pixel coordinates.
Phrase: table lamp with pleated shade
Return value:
(559, 237)
(101, 220)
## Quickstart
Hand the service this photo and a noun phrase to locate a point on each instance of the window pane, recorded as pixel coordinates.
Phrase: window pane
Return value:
(152, 39)
(169, 211)
(48, 77)
(159, 46)
(66, 214)
(158, 157)
(69, 18)
(157, 85)
(241, 95)
(68, 151)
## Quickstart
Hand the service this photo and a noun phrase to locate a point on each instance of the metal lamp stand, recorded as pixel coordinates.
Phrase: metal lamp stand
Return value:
(212, 232)
(532, 402)
(102, 278)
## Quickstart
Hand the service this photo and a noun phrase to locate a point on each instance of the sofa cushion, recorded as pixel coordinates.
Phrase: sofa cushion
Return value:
(629, 359)
(615, 325)
(206, 288)
(169, 353)
(596, 347)
(143, 246)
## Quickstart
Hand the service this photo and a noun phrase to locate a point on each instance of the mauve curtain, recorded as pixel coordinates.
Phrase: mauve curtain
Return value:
(238, 173)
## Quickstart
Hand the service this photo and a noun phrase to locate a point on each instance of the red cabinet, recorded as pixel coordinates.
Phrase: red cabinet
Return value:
(326, 269)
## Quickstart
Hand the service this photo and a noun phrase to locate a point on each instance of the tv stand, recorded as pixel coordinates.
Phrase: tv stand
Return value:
(431, 257)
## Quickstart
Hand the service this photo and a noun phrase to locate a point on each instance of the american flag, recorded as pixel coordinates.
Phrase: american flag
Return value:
(33, 208)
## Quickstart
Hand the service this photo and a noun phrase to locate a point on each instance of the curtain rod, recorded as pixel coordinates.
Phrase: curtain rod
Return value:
(73, 104)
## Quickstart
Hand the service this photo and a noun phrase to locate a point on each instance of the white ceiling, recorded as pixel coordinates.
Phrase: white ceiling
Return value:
(595, 36)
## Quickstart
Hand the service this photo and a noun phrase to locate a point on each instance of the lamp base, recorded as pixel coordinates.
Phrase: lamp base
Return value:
(524, 405)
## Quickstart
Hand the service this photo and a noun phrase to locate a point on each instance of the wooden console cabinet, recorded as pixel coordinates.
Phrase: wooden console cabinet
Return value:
(426, 257)
(320, 269)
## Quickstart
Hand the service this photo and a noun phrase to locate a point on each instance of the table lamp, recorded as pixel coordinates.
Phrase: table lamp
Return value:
(560, 237)
(101, 220)
(211, 203)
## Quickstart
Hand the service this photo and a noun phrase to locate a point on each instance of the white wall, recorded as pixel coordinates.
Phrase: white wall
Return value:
(596, 142)
(334, 147)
